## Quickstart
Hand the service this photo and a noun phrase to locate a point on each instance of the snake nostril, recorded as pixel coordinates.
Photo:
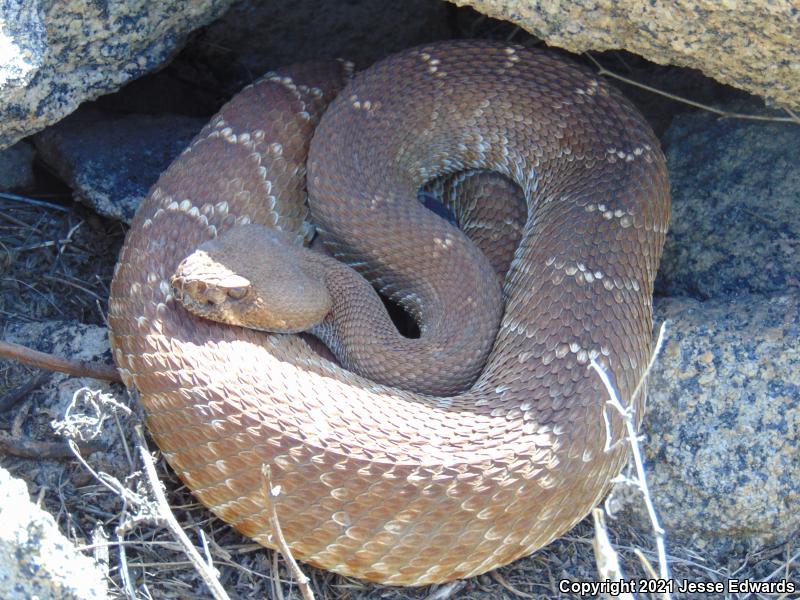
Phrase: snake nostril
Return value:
(215, 295)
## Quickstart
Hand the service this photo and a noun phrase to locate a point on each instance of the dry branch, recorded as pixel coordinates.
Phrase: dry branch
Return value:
(42, 360)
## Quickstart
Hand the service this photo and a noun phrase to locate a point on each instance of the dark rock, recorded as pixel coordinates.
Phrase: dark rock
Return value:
(16, 167)
(111, 162)
(723, 415)
(254, 36)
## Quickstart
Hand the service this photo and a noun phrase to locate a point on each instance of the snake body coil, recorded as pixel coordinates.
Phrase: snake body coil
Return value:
(376, 482)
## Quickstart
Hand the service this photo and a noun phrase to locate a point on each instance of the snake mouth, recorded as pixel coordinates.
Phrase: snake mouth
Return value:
(197, 292)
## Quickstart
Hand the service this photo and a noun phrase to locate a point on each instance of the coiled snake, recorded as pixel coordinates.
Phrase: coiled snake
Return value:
(377, 482)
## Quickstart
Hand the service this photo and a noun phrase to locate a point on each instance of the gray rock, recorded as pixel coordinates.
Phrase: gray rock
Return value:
(111, 162)
(16, 167)
(63, 53)
(36, 560)
(76, 341)
(750, 45)
(723, 421)
(723, 416)
(735, 217)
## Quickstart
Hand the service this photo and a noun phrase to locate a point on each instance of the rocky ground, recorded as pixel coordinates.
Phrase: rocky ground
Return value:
(723, 423)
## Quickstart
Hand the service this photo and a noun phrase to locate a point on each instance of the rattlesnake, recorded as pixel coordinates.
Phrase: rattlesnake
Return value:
(377, 482)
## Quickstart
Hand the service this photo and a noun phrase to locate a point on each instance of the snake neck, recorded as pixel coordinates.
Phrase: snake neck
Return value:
(360, 332)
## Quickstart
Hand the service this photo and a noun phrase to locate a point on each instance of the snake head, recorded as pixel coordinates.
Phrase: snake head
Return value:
(252, 276)
(206, 287)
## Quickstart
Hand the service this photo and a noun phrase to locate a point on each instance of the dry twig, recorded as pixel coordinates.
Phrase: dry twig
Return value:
(42, 360)
(32, 201)
(26, 447)
(13, 397)
(640, 481)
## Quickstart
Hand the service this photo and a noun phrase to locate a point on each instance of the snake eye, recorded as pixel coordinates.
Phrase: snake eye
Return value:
(237, 293)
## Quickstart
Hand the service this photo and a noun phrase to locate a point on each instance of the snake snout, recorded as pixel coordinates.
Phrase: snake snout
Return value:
(199, 292)
(205, 287)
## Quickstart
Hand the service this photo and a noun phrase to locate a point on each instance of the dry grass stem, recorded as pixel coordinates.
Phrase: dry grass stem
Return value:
(645, 563)
(270, 493)
(76, 285)
(277, 588)
(601, 70)
(784, 568)
(604, 554)
(124, 573)
(501, 580)
(447, 591)
(32, 201)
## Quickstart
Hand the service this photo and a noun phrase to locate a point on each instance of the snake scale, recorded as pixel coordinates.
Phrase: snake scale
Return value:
(378, 482)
